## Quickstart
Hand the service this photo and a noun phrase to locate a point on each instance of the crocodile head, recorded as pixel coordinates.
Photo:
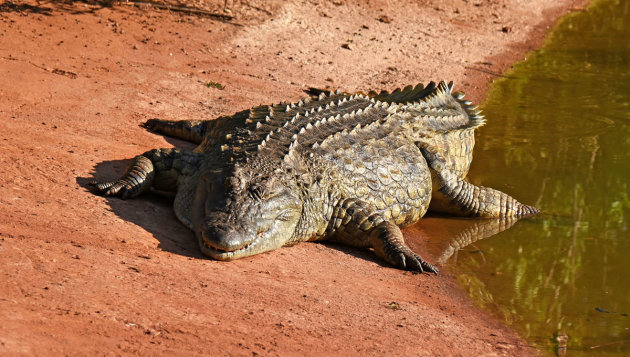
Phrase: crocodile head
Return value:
(246, 213)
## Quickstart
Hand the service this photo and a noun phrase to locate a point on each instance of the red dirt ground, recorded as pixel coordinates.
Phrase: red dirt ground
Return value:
(86, 275)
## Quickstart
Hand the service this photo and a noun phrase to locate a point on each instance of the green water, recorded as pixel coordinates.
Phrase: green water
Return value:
(558, 136)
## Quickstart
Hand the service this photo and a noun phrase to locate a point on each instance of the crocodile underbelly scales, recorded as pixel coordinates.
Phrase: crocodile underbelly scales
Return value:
(346, 167)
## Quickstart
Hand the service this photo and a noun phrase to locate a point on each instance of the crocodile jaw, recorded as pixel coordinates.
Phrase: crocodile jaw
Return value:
(225, 242)
(211, 248)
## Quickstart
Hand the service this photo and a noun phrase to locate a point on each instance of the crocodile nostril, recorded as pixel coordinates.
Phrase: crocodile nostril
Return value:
(221, 228)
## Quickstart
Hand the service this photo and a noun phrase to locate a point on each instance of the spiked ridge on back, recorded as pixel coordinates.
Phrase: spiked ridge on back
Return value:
(274, 130)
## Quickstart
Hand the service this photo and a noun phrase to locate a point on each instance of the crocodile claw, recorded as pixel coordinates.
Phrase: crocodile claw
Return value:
(413, 262)
(111, 188)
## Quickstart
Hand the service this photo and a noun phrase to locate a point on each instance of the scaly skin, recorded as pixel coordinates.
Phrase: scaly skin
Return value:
(349, 168)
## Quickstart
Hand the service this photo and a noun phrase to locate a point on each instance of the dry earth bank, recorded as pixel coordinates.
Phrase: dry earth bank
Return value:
(83, 274)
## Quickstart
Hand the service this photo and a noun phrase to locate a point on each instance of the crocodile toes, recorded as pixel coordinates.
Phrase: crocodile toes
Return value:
(150, 124)
(101, 187)
(110, 188)
(410, 263)
(429, 268)
(414, 262)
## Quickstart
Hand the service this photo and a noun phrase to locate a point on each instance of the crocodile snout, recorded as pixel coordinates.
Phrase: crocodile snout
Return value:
(224, 238)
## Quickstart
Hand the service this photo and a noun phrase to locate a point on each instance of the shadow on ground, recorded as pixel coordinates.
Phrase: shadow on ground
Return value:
(153, 212)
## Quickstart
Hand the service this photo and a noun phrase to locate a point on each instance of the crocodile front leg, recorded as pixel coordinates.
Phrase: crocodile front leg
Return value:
(357, 223)
(463, 198)
(159, 169)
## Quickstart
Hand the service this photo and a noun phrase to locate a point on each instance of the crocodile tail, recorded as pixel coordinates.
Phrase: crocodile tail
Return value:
(430, 96)
(473, 112)
(451, 110)
(440, 108)
(409, 94)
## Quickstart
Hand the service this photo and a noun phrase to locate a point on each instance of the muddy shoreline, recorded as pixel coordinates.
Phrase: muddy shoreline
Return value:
(83, 274)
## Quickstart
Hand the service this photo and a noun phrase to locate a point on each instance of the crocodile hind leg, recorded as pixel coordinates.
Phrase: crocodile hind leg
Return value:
(457, 196)
(190, 130)
(158, 168)
(358, 224)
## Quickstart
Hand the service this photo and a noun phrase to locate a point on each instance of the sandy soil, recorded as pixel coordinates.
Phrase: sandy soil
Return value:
(83, 275)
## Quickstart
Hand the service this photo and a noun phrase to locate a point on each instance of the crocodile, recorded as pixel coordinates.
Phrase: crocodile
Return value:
(351, 168)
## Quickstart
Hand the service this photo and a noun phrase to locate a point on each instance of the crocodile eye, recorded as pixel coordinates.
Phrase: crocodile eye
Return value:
(285, 215)
(269, 194)
(232, 182)
(261, 194)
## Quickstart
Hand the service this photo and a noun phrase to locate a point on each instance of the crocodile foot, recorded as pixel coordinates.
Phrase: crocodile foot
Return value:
(413, 262)
(136, 180)
(388, 242)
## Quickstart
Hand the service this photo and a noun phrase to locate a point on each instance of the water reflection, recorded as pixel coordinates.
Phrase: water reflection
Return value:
(558, 137)
(476, 231)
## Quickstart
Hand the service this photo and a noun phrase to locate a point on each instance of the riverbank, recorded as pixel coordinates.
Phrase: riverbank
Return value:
(82, 274)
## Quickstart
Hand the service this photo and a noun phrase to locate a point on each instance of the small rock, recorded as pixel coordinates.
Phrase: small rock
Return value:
(384, 19)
